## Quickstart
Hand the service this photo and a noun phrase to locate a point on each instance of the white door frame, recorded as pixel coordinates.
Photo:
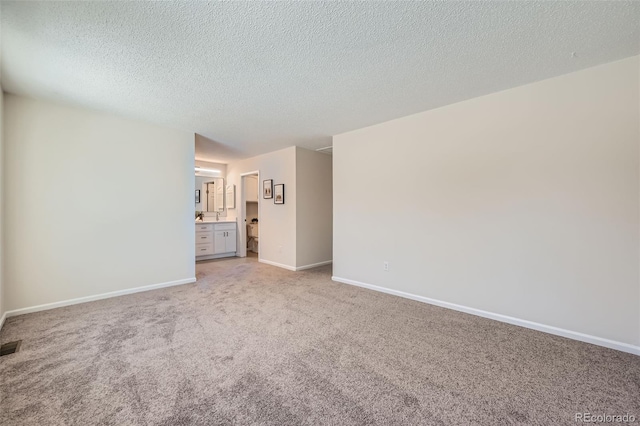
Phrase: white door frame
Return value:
(243, 214)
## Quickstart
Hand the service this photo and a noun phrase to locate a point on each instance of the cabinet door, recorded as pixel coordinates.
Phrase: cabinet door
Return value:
(220, 242)
(231, 241)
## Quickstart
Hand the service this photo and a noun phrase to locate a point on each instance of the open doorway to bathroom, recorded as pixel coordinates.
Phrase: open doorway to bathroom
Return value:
(251, 214)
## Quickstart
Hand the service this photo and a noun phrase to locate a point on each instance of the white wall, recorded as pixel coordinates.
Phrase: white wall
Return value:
(93, 203)
(523, 203)
(298, 233)
(314, 210)
(277, 221)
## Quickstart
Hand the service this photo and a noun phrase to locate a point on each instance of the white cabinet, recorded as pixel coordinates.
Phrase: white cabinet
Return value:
(214, 240)
(224, 238)
(204, 227)
(224, 242)
(204, 239)
(203, 249)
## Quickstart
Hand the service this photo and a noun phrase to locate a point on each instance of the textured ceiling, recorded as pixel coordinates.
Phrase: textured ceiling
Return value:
(252, 77)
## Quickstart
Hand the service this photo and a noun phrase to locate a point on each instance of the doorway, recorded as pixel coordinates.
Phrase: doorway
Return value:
(250, 200)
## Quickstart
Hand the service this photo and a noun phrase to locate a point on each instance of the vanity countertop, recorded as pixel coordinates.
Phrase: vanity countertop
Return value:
(199, 222)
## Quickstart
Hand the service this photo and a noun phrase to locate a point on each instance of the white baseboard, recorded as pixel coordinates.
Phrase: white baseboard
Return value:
(612, 344)
(295, 268)
(4, 317)
(85, 299)
(313, 265)
(279, 265)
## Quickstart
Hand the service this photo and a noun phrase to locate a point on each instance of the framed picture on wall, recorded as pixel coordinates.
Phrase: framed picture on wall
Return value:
(267, 188)
(197, 196)
(278, 191)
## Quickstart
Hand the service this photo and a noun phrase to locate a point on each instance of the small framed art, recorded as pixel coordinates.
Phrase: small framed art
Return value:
(278, 192)
(267, 188)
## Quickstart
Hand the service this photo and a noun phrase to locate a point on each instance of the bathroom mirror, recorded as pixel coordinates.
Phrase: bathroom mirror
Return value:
(213, 191)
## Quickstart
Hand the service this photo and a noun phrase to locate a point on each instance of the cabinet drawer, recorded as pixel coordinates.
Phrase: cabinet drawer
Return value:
(204, 227)
(204, 237)
(225, 226)
(203, 249)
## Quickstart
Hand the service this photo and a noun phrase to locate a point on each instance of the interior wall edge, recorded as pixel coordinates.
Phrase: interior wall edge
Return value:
(279, 265)
(314, 265)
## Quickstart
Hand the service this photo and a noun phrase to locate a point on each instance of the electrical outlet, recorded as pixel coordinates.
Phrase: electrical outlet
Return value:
(279, 249)
(385, 266)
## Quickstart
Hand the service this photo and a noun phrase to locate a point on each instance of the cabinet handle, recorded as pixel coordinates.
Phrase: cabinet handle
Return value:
(203, 238)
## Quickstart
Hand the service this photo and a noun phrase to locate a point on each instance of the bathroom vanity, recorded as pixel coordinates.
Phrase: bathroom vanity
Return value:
(215, 240)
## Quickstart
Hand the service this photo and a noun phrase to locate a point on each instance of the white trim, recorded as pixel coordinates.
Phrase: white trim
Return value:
(4, 317)
(279, 265)
(313, 265)
(295, 268)
(85, 299)
(612, 344)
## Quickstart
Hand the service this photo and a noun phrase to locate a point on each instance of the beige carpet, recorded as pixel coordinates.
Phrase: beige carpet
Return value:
(254, 344)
